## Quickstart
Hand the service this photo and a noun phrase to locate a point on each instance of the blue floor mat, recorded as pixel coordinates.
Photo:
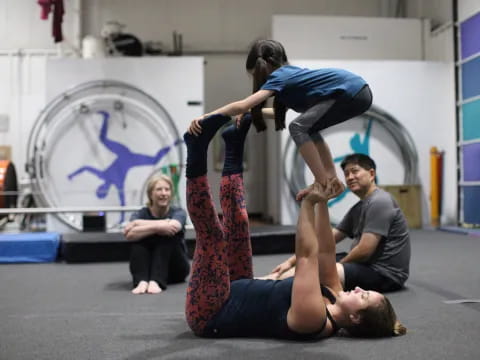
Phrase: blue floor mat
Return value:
(29, 247)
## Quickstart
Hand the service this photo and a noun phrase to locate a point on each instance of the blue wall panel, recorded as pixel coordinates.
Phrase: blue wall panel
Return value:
(471, 121)
(471, 199)
(469, 74)
(471, 78)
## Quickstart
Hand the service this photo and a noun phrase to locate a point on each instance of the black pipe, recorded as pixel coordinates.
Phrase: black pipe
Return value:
(457, 99)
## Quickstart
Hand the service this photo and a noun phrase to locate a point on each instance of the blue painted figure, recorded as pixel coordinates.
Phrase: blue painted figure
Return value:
(116, 173)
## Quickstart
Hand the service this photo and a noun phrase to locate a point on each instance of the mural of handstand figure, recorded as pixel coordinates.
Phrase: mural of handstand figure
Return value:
(116, 173)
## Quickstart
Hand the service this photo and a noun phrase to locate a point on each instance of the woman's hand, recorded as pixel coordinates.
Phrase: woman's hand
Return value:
(169, 228)
(281, 268)
(128, 227)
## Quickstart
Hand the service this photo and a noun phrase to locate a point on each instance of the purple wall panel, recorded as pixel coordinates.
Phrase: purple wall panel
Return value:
(470, 36)
(471, 162)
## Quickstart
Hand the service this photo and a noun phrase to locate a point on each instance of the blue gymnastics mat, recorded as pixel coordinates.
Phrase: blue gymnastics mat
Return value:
(29, 247)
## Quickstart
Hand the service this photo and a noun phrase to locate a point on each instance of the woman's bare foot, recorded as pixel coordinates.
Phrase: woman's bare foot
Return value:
(141, 288)
(154, 288)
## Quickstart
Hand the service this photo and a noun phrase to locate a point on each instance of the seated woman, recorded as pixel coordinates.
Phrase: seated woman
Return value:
(158, 254)
(223, 299)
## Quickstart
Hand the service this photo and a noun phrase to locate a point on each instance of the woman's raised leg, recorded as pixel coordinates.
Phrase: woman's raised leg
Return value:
(209, 284)
(232, 199)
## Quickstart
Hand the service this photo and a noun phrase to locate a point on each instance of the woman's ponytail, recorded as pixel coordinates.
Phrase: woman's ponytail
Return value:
(399, 329)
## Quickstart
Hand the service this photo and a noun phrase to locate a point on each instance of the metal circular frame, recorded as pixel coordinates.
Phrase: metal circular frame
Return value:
(296, 179)
(74, 100)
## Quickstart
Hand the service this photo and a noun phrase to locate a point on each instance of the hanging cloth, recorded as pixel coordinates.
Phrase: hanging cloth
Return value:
(55, 6)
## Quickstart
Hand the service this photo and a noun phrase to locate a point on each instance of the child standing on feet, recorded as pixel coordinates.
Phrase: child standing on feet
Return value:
(324, 97)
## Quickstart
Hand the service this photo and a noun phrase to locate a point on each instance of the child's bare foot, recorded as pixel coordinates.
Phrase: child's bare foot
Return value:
(154, 288)
(141, 288)
(334, 187)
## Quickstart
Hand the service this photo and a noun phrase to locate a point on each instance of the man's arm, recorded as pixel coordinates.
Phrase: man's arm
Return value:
(364, 249)
(338, 235)
(378, 219)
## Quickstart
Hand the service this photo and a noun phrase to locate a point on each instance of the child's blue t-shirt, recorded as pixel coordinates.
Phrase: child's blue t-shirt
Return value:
(298, 88)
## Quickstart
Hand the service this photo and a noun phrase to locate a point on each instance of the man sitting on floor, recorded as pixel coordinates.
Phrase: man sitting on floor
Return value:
(379, 257)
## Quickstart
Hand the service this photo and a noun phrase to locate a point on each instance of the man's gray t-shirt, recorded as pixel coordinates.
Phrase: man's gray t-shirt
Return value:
(380, 214)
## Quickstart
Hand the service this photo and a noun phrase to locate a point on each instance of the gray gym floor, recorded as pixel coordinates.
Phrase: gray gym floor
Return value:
(86, 311)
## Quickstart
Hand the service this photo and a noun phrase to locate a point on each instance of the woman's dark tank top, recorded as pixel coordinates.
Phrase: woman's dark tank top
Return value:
(258, 308)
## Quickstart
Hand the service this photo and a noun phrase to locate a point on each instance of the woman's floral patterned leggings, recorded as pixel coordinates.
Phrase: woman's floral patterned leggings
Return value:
(223, 251)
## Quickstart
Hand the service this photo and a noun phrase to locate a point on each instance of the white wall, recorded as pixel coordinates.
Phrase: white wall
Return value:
(439, 43)
(220, 30)
(439, 11)
(212, 24)
(467, 8)
(206, 24)
(326, 37)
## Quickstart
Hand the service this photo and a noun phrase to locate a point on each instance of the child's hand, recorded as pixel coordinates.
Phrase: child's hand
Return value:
(336, 187)
(238, 120)
(195, 128)
(316, 193)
